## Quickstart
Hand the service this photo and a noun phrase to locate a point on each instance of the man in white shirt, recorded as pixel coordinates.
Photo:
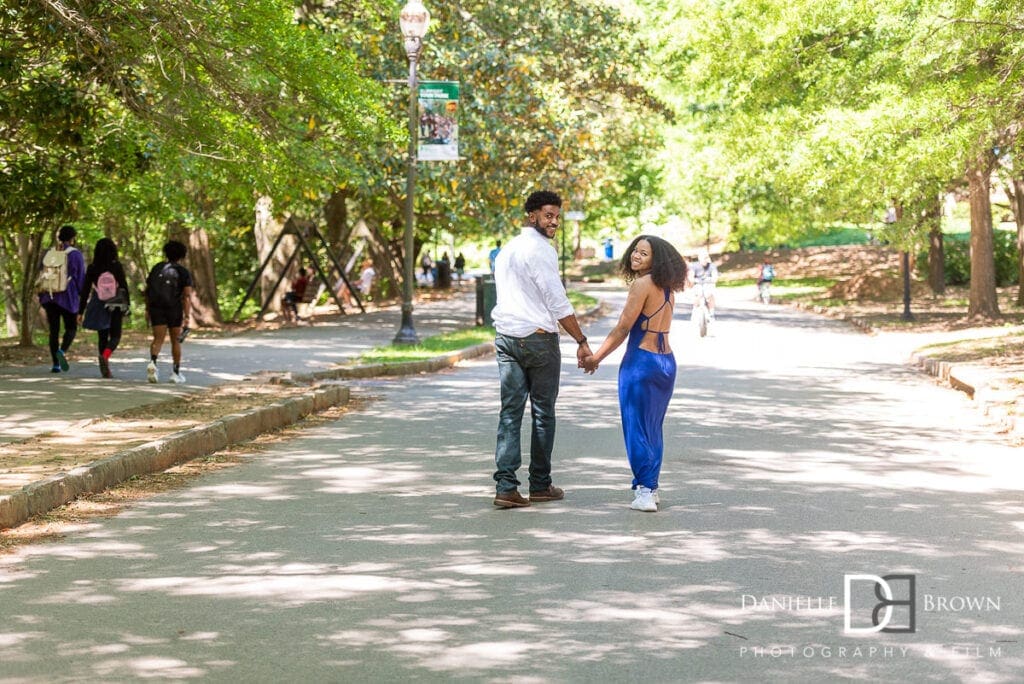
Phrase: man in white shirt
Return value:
(531, 304)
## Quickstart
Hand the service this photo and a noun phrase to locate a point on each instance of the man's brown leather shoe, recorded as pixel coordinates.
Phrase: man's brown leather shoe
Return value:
(552, 493)
(511, 499)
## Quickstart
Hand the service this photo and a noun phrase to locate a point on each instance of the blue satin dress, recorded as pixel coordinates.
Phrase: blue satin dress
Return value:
(646, 381)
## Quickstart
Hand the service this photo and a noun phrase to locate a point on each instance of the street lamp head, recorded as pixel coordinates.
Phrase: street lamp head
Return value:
(414, 20)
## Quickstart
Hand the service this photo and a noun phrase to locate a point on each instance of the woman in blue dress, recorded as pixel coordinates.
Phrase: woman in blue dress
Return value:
(647, 374)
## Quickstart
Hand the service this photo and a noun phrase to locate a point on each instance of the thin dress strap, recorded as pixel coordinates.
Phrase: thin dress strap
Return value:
(661, 333)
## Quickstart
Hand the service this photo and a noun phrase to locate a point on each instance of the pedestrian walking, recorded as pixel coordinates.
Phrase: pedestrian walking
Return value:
(493, 254)
(647, 374)
(366, 277)
(104, 300)
(61, 279)
(460, 267)
(531, 303)
(291, 299)
(168, 306)
(427, 268)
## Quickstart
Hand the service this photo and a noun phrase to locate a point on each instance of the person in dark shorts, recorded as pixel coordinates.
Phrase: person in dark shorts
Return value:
(292, 298)
(168, 306)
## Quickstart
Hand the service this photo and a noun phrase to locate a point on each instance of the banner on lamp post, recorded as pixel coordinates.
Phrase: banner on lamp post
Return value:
(439, 121)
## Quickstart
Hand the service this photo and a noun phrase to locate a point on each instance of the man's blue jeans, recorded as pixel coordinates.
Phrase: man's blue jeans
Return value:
(529, 368)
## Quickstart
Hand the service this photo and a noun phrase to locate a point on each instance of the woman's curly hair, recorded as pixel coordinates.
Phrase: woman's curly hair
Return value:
(668, 269)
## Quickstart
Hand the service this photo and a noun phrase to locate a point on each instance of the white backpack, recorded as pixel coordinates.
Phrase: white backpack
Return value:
(53, 277)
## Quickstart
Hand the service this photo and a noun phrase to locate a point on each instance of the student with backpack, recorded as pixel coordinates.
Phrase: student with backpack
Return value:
(168, 305)
(61, 279)
(104, 300)
(765, 276)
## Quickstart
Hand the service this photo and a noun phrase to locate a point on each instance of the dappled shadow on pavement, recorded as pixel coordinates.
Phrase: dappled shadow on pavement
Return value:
(369, 549)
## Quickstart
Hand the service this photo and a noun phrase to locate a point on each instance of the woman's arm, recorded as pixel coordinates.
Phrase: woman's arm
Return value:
(122, 280)
(630, 312)
(86, 289)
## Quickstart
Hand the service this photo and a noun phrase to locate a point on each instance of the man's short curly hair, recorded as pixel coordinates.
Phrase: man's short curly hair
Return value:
(175, 251)
(541, 198)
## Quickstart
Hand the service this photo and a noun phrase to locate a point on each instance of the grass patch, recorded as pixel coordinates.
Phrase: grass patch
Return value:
(999, 346)
(428, 348)
(742, 282)
(835, 237)
(581, 302)
(453, 341)
(803, 288)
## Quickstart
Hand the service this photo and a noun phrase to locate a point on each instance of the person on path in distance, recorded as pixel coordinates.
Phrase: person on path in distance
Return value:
(765, 276)
(460, 267)
(294, 295)
(531, 304)
(703, 277)
(493, 254)
(62, 305)
(366, 276)
(168, 306)
(364, 285)
(104, 274)
(647, 374)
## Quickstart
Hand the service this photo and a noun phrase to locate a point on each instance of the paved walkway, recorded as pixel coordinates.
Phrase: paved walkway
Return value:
(799, 451)
(33, 400)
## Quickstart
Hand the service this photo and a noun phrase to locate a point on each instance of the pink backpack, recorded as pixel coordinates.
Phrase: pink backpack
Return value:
(106, 286)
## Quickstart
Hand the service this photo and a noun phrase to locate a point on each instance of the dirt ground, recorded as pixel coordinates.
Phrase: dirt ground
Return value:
(33, 459)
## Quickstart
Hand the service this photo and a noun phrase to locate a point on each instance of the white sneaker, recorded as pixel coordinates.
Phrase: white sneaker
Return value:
(177, 378)
(656, 498)
(151, 373)
(644, 501)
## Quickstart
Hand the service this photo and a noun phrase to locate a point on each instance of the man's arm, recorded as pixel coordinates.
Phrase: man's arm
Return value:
(572, 326)
(186, 304)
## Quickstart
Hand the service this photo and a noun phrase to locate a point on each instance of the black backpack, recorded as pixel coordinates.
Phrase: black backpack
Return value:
(165, 287)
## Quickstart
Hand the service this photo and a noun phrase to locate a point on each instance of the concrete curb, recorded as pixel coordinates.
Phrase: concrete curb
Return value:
(971, 381)
(202, 440)
(375, 370)
(163, 453)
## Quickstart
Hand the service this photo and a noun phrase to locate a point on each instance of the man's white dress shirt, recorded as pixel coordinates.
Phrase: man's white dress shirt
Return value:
(530, 292)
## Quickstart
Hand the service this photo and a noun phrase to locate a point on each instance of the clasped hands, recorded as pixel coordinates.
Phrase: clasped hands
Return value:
(585, 359)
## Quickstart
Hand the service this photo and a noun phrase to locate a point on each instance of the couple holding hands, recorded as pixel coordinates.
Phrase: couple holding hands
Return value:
(531, 303)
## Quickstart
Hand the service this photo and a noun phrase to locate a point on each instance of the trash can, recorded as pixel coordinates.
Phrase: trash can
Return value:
(443, 279)
(486, 298)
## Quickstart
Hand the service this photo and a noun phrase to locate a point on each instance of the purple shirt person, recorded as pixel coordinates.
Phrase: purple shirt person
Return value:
(63, 306)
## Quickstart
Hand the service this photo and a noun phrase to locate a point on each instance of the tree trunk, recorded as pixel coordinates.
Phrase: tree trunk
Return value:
(336, 219)
(29, 252)
(340, 231)
(205, 308)
(266, 228)
(936, 248)
(136, 266)
(1015, 191)
(982, 302)
(7, 285)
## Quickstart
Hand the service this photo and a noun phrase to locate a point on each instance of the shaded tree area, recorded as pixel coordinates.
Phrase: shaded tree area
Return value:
(216, 123)
(805, 113)
(152, 120)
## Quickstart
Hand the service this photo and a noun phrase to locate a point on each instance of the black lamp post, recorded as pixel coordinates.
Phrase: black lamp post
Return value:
(414, 20)
(891, 216)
